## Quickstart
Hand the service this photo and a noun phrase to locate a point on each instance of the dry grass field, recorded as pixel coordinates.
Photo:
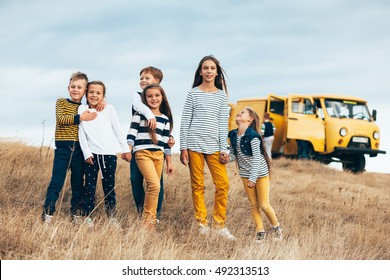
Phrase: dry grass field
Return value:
(325, 213)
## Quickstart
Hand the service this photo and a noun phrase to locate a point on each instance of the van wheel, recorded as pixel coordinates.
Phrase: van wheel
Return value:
(355, 165)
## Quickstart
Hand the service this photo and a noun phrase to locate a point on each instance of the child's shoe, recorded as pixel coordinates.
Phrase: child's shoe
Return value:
(47, 218)
(114, 222)
(77, 220)
(260, 236)
(277, 233)
(224, 232)
(203, 229)
(89, 222)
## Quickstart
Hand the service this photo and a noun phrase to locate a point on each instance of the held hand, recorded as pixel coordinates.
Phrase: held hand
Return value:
(126, 156)
(88, 116)
(152, 123)
(89, 160)
(171, 141)
(223, 158)
(101, 105)
(251, 184)
(184, 157)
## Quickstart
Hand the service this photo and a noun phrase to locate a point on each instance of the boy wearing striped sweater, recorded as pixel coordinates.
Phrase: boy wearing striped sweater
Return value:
(68, 154)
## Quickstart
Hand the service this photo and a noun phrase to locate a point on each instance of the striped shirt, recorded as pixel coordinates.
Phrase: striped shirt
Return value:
(204, 123)
(138, 135)
(67, 122)
(251, 167)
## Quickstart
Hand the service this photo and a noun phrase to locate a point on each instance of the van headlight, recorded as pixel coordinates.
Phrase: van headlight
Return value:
(343, 132)
(376, 135)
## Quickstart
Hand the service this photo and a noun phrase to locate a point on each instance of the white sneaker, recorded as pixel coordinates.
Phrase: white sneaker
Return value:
(203, 229)
(224, 232)
(77, 220)
(114, 222)
(47, 219)
(89, 222)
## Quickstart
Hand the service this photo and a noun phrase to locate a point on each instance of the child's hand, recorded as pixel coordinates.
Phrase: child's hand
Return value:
(169, 169)
(251, 184)
(100, 106)
(171, 141)
(89, 160)
(88, 116)
(126, 156)
(223, 158)
(184, 157)
(152, 123)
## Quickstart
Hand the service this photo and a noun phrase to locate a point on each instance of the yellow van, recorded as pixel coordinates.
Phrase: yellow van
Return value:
(335, 128)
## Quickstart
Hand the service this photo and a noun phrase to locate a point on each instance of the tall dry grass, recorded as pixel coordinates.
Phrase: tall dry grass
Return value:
(325, 214)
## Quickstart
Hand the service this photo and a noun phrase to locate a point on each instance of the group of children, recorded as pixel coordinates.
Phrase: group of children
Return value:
(87, 136)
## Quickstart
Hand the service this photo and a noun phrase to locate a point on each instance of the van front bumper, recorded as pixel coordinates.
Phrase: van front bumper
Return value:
(356, 151)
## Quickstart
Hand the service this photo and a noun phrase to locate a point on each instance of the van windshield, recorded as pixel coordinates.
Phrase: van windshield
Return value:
(347, 109)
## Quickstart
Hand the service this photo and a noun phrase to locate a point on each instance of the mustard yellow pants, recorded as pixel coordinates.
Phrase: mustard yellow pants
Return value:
(221, 182)
(258, 197)
(150, 163)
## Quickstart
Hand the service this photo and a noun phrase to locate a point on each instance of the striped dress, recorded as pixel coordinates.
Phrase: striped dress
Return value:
(204, 123)
(67, 122)
(138, 135)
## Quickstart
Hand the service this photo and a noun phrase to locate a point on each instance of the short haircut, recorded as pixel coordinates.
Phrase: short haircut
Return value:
(155, 72)
(78, 76)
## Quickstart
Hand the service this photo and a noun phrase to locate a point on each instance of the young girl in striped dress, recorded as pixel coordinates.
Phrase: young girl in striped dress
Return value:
(253, 164)
(149, 147)
(203, 137)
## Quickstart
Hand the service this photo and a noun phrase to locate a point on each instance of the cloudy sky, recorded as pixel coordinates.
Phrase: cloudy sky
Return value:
(302, 46)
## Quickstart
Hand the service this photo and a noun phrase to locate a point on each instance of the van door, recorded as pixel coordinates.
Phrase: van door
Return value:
(276, 108)
(303, 122)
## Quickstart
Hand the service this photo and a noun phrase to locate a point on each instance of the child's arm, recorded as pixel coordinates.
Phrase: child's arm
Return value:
(255, 144)
(144, 110)
(184, 128)
(133, 132)
(223, 125)
(63, 117)
(262, 129)
(116, 126)
(169, 168)
(167, 148)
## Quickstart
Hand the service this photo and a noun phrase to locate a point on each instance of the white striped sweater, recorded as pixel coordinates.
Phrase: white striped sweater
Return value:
(251, 167)
(138, 135)
(204, 123)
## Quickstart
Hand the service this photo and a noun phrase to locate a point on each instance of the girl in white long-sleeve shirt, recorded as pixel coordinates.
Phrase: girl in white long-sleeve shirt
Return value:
(99, 141)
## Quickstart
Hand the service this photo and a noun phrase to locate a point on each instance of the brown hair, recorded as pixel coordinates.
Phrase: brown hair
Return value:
(78, 76)
(255, 125)
(155, 72)
(219, 81)
(164, 108)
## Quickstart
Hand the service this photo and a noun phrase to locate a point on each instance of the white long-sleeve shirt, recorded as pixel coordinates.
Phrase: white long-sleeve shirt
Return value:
(140, 107)
(102, 135)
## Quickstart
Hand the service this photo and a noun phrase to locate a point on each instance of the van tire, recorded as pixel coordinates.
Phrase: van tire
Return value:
(355, 164)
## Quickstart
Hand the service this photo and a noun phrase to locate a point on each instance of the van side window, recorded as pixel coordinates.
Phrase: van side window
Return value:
(302, 106)
(277, 106)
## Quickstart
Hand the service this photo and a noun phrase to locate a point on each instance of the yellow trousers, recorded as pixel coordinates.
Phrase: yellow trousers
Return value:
(258, 197)
(221, 182)
(150, 163)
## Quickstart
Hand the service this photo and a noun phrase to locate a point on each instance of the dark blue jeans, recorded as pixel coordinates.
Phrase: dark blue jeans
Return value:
(107, 165)
(137, 186)
(64, 158)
